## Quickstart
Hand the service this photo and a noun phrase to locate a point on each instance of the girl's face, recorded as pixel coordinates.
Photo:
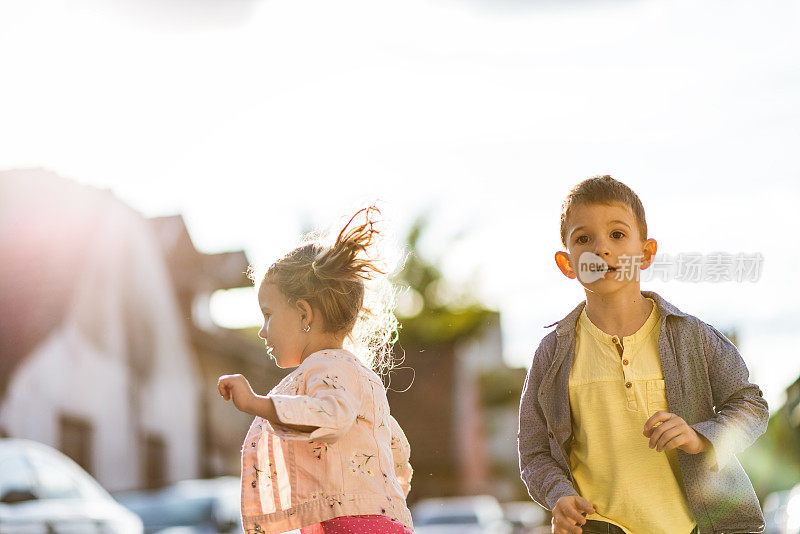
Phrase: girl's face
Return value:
(283, 326)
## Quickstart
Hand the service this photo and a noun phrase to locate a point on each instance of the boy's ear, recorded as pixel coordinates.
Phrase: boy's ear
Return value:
(649, 248)
(562, 260)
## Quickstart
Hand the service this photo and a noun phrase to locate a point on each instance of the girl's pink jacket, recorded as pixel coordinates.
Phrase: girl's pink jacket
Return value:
(355, 463)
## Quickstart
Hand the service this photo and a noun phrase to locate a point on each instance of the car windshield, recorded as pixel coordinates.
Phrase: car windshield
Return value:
(15, 475)
(61, 479)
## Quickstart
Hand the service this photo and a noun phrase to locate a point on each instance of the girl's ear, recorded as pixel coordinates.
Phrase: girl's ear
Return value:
(306, 313)
(564, 265)
(649, 248)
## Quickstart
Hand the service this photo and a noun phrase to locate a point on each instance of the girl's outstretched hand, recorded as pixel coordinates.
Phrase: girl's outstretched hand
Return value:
(236, 388)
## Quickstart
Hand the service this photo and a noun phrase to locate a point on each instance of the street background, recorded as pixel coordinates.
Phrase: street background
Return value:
(151, 150)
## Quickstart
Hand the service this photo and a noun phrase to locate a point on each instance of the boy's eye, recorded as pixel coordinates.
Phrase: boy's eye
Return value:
(617, 234)
(581, 239)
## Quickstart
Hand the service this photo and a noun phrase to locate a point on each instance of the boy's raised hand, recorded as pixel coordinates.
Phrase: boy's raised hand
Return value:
(668, 431)
(569, 514)
(236, 387)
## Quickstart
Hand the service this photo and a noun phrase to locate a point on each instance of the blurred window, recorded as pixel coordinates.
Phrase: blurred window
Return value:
(155, 461)
(15, 475)
(76, 436)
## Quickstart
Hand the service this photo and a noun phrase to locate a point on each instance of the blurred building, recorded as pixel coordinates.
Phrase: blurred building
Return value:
(106, 350)
(196, 276)
(462, 431)
(496, 389)
(95, 358)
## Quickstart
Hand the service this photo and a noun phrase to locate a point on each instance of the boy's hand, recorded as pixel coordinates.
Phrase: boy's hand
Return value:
(667, 431)
(236, 387)
(569, 514)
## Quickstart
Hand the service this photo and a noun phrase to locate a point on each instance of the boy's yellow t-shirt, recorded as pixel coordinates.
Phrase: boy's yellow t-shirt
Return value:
(611, 397)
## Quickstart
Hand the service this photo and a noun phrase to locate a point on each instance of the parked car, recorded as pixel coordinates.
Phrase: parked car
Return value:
(526, 517)
(480, 514)
(775, 511)
(42, 490)
(207, 506)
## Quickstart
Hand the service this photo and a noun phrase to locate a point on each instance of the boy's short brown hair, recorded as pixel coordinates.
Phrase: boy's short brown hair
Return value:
(602, 190)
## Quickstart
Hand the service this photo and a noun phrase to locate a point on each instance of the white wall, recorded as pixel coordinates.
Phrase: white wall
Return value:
(67, 375)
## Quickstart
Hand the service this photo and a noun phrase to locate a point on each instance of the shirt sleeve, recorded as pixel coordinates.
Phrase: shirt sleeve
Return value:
(545, 480)
(741, 411)
(330, 403)
(401, 451)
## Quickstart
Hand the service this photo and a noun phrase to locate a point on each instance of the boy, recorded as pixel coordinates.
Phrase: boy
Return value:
(632, 410)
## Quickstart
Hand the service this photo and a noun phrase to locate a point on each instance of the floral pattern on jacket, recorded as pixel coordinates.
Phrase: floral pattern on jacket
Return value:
(356, 461)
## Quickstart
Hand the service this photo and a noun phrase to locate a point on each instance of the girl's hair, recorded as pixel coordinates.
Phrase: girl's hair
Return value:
(348, 283)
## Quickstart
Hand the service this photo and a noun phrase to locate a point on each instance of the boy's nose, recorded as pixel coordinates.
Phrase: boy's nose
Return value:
(262, 334)
(601, 249)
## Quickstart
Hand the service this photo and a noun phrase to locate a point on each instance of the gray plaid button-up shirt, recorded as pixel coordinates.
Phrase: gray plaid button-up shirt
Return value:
(706, 385)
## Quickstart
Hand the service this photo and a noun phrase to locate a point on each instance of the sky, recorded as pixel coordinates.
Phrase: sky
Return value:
(256, 119)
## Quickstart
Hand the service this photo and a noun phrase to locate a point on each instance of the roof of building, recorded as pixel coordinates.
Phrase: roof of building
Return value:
(48, 227)
(194, 270)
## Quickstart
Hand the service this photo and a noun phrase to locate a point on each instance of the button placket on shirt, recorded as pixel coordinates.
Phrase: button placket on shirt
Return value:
(627, 373)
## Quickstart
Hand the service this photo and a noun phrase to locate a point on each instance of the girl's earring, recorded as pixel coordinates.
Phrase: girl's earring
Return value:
(307, 328)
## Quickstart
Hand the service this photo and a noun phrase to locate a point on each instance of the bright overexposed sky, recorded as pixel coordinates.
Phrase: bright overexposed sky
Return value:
(257, 118)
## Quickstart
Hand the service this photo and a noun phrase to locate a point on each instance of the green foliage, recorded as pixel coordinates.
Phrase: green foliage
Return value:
(441, 325)
(773, 462)
(437, 321)
(418, 273)
(501, 386)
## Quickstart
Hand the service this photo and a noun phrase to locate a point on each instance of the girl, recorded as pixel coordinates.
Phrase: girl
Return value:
(323, 453)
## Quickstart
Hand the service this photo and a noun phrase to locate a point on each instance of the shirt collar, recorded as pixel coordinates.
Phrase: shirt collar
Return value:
(632, 340)
(568, 323)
